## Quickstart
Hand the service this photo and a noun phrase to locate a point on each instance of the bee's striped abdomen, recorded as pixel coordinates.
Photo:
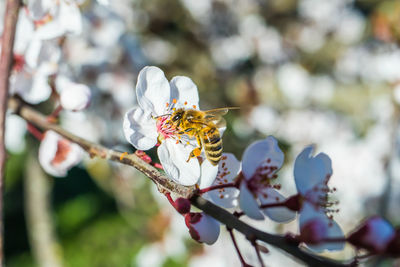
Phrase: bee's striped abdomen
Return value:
(212, 144)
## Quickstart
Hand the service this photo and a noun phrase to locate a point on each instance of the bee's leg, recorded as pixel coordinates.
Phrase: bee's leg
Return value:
(197, 151)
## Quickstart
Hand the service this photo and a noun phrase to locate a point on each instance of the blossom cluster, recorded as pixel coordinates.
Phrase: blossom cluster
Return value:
(247, 186)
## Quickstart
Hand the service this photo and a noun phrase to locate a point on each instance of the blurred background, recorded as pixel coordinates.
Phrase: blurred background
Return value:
(324, 72)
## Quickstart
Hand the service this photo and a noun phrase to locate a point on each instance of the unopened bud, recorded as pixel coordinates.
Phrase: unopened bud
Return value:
(202, 227)
(182, 205)
(374, 234)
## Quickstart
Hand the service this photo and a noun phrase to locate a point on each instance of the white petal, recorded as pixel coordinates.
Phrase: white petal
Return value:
(228, 169)
(48, 150)
(309, 212)
(249, 204)
(185, 91)
(23, 34)
(263, 152)
(279, 214)
(32, 88)
(173, 158)
(70, 17)
(50, 30)
(39, 8)
(206, 227)
(208, 174)
(76, 97)
(15, 133)
(32, 53)
(140, 129)
(310, 171)
(152, 90)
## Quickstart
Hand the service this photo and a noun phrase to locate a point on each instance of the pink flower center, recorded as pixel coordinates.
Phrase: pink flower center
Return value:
(63, 148)
(19, 62)
(164, 127)
(318, 197)
(262, 177)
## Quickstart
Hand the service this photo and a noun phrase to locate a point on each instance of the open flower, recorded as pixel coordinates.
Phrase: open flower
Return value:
(57, 154)
(260, 162)
(311, 176)
(146, 125)
(55, 18)
(30, 79)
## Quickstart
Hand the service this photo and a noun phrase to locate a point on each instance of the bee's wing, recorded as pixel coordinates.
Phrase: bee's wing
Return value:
(217, 112)
(215, 116)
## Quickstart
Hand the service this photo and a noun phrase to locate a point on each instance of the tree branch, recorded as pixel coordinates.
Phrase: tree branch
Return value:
(7, 43)
(165, 184)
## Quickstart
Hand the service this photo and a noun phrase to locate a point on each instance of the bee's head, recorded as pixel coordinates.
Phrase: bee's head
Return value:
(177, 116)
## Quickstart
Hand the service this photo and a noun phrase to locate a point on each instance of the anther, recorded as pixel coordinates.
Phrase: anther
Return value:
(123, 155)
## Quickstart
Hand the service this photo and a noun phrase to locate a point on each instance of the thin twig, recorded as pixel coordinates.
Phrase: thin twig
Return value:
(7, 43)
(230, 231)
(166, 185)
(254, 243)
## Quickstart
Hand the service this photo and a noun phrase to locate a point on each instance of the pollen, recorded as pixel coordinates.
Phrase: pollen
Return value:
(185, 102)
(123, 155)
(194, 106)
(197, 152)
(167, 104)
(174, 100)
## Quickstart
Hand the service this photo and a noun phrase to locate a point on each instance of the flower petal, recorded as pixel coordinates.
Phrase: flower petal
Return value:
(173, 158)
(140, 129)
(70, 17)
(263, 152)
(73, 96)
(202, 227)
(278, 214)
(308, 214)
(32, 88)
(249, 204)
(228, 169)
(208, 174)
(311, 171)
(185, 91)
(152, 90)
(57, 155)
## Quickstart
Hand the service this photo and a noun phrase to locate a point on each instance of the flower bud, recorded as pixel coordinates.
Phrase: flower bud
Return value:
(374, 234)
(182, 205)
(73, 96)
(57, 154)
(202, 227)
(76, 97)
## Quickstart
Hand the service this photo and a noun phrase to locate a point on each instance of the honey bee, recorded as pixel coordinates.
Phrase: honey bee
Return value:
(203, 125)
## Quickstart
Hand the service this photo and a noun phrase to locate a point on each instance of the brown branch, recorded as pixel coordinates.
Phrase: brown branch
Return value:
(164, 183)
(7, 43)
(95, 150)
